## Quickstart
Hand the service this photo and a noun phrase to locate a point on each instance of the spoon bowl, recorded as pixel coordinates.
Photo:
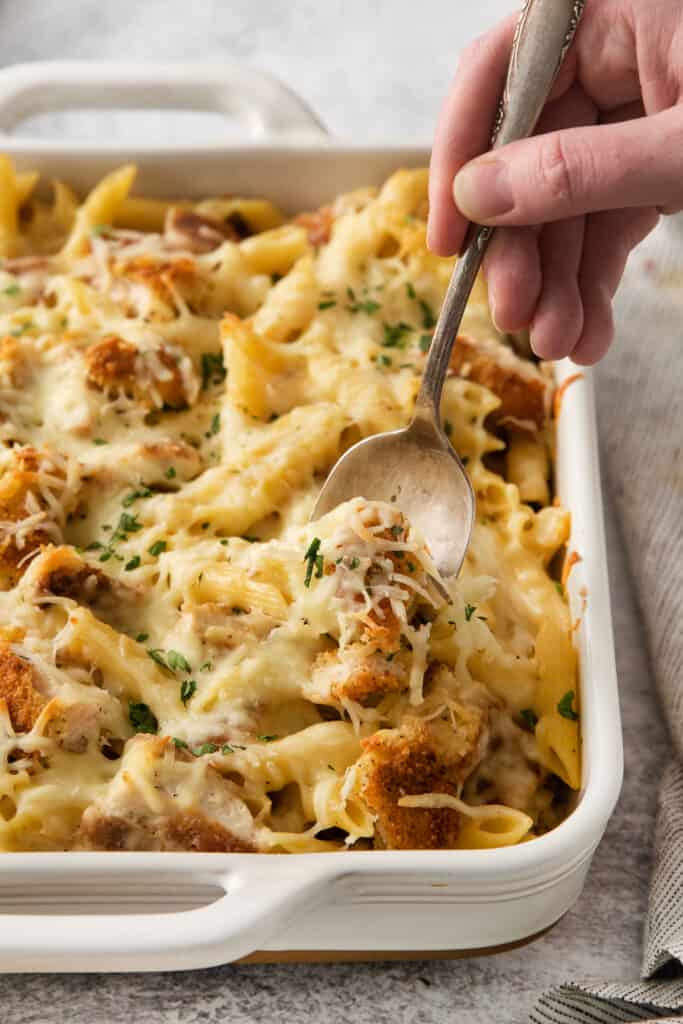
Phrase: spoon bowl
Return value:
(417, 469)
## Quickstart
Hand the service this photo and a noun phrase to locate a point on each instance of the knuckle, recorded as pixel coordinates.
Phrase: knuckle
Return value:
(564, 169)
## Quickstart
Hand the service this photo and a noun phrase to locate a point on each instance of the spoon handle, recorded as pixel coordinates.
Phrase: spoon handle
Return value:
(543, 35)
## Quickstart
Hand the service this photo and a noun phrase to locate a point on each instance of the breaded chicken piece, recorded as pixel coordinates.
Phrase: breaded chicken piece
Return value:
(421, 756)
(522, 389)
(20, 689)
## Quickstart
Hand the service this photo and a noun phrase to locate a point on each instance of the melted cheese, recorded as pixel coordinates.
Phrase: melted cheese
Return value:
(167, 415)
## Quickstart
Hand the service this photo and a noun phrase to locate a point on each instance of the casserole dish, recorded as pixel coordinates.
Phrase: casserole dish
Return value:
(151, 911)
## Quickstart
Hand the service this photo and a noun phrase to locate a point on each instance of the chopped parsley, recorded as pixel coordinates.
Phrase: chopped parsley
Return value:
(181, 744)
(470, 609)
(156, 654)
(354, 563)
(266, 738)
(424, 342)
(395, 334)
(565, 708)
(428, 318)
(133, 563)
(170, 473)
(157, 548)
(206, 667)
(227, 749)
(142, 718)
(396, 531)
(11, 290)
(206, 748)
(177, 662)
(327, 304)
(141, 637)
(529, 718)
(128, 524)
(141, 492)
(100, 440)
(213, 369)
(410, 291)
(215, 423)
(383, 360)
(368, 306)
(313, 560)
(188, 688)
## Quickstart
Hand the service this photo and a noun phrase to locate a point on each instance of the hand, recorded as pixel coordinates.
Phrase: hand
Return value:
(573, 200)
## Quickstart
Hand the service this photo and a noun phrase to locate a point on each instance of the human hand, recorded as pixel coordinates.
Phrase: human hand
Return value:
(571, 202)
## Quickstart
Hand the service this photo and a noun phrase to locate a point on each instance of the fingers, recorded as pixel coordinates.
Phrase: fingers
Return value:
(609, 238)
(513, 275)
(513, 268)
(576, 171)
(558, 320)
(464, 131)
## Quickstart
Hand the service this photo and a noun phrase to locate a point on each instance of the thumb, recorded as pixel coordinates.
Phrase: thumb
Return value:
(575, 171)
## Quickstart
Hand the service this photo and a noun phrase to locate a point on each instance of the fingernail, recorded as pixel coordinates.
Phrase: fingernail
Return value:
(482, 190)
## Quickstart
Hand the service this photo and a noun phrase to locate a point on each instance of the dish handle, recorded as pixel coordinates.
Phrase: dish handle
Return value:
(258, 901)
(263, 104)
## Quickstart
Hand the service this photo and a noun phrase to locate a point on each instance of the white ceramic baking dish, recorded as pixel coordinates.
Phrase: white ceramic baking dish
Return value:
(151, 911)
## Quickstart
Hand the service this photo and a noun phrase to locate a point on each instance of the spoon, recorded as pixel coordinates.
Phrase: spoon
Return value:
(417, 467)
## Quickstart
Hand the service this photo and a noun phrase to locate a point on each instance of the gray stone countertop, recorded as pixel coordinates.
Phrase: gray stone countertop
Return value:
(375, 70)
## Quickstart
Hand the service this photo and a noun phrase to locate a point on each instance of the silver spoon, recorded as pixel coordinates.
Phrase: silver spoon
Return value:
(417, 467)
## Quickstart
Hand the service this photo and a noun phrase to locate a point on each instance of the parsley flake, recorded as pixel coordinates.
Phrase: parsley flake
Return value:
(177, 662)
(142, 718)
(327, 304)
(314, 561)
(395, 334)
(383, 360)
(133, 563)
(156, 654)
(142, 492)
(170, 473)
(565, 708)
(206, 748)
(141, 637)
(529, 718)
(188, 688)
(157, 548)
(181, 744)
(213, 369)
(470, 609)
(216, 423)
(428, 318)
(424, 342)
(266, 738)
(11, 290)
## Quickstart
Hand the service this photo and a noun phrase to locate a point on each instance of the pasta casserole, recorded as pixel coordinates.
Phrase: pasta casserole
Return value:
(186, 661)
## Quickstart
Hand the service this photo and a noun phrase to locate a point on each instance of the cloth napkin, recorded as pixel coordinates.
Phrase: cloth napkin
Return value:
(639, 390)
